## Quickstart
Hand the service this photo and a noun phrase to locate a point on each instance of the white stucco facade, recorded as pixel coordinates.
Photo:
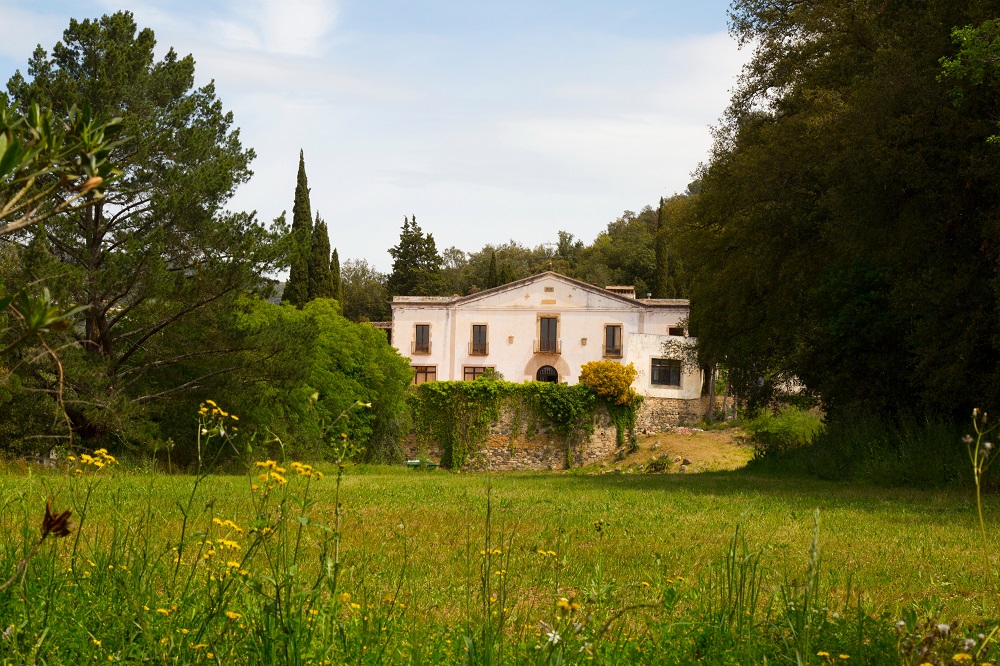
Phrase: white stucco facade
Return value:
(544, 322)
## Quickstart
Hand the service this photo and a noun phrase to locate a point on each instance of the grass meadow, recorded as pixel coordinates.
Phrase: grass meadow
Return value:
(436, 567)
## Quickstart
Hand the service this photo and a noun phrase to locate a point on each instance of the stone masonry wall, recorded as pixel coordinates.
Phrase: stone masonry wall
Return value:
(661, 414)
(542, 449)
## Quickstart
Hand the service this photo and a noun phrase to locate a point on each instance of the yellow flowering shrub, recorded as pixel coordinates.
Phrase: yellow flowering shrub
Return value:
(610, 380)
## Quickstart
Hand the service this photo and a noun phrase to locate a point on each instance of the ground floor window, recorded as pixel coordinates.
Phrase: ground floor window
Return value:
(425, 373)
(665, 372)
(473, 372)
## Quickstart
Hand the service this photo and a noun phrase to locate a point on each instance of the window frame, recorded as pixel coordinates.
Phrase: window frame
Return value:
(541, 347)
(659, 366)
(613, 352)
(417, 348)
(476, 371)
(479, 350)
(429, 372)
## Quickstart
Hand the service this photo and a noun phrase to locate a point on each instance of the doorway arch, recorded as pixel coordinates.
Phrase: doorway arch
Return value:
(547, 373)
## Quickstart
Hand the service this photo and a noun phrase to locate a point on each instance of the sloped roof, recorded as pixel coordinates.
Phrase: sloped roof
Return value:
(516, 284)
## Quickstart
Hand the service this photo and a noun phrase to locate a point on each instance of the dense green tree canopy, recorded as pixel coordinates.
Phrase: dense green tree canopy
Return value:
(158, 260)
(845, 231)
(365, 295)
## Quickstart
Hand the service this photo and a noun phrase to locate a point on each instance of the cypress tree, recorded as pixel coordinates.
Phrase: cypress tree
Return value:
(660, 285)
(492, 280)
(297, 287)
(320, 278)
(338, 287)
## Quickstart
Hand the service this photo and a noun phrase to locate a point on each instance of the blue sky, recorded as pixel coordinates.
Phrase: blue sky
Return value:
(489, 121)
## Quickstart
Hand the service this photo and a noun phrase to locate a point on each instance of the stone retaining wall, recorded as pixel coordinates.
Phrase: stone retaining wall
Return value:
(543, 449)
(662, 414)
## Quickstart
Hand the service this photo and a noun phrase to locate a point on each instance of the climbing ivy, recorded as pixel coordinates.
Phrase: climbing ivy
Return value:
(457, 415)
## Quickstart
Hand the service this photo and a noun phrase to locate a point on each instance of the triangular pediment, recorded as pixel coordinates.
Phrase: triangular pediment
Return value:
(547, 289)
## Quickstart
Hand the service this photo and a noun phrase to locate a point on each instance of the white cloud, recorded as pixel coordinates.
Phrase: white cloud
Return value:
(291, 27)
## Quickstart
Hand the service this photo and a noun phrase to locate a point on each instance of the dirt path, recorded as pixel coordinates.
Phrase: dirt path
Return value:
(706, 451)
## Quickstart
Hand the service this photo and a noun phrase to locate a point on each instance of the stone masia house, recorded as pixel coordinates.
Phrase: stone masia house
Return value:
(544, 328)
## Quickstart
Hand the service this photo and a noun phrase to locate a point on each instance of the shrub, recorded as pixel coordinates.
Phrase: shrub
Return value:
(790, 428)
(610, 380)
(906, 451)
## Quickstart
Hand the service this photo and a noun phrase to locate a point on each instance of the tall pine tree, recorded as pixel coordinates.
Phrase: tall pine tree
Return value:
(416, 266)
(297, 288)
(321, 283)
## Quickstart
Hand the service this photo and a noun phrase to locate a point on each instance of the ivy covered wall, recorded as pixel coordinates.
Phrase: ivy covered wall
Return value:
(456, 417)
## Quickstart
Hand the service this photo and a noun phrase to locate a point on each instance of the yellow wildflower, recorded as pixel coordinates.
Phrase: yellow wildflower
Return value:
(233, 616)
(344, 597)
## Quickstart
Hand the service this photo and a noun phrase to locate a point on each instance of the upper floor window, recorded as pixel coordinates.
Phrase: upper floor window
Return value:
(422, 339)
(548, 335)
(479, 346)
(665, 372)
(613, 341)
(676, 330)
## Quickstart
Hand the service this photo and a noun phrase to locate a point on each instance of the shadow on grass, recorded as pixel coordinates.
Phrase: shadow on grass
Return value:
(796, 491)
